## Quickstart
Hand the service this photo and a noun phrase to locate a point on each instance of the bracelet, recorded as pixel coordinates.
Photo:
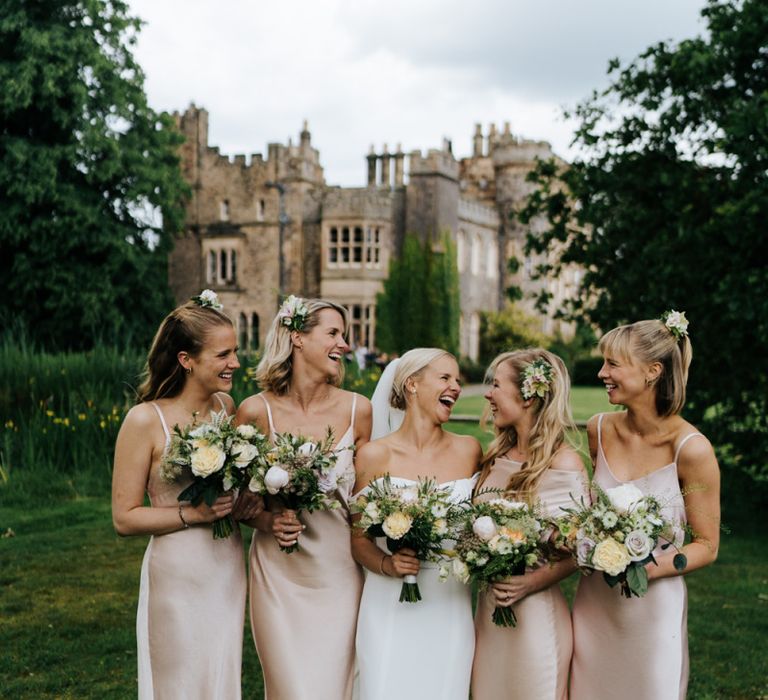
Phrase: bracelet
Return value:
(381, 564)
(181, 516)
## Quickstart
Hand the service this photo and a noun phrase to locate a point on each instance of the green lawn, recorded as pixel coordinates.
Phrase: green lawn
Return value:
(586, 401)
(70, 586)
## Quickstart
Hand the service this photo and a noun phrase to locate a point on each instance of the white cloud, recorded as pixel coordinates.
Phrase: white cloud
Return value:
(363, 71)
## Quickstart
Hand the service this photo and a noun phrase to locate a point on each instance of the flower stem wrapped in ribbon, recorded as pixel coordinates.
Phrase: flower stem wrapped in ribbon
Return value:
(417, 516)
(617, 534)
(497, 539)
(219, 457)
(300, 473)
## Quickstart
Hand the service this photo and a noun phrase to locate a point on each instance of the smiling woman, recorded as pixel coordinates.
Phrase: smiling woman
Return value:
(304, 604)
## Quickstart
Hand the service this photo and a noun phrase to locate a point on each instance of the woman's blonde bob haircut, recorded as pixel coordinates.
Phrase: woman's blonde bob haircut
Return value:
(275, 368)
(412, 364)
(549, 432)
(648, 342)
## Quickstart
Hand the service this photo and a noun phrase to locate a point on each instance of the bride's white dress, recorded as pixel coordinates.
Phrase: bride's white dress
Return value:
(417, 650)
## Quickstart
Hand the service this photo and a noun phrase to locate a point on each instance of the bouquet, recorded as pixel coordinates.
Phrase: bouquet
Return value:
(220, 457)
(617, 535)
(497, 539)
(300, 473)
(416, 516)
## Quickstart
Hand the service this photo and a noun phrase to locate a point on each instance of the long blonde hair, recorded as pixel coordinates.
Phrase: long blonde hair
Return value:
(549, 431)
(651, 341)
(275, 368)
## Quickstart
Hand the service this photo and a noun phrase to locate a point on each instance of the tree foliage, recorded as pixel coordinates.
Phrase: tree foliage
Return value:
(85, 167)
(666, 208)
(419, 306)
(509, 329)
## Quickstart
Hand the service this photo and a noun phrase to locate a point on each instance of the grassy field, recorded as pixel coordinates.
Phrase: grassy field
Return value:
(70, 587)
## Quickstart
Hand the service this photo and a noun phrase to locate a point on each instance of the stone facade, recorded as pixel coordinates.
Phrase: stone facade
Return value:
(257, 227)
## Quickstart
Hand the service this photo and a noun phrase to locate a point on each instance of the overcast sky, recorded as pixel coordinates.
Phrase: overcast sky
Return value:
(368, 72)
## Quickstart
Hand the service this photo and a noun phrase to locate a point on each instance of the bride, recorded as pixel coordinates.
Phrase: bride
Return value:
(424, 649)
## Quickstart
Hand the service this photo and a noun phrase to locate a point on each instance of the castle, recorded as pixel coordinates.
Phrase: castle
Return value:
(259, 227)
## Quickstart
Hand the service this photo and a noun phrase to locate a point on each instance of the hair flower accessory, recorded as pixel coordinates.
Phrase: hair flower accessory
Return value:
(208, 299)
(676, 322)
(293, 313)
(536, 379)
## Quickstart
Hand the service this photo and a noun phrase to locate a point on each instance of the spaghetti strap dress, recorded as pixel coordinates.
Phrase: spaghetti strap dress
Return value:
(532, 659)
(189, 625)
(633, 648)
(304, 604)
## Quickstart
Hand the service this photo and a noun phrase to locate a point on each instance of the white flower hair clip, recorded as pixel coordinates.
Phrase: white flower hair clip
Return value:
(536, 380)
(676, 323)
(208, 299)
(293, 313)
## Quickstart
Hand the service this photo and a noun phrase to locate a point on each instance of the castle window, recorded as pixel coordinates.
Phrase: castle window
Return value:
(372, 246)
(461, 244)
(360, 331)
(224, 210)
(259, 210)
(254, 331)
(242, 331)
(475, 254)
(221, 266)
(493, 260)
(474, 336)
(350, 246)
(210, 274)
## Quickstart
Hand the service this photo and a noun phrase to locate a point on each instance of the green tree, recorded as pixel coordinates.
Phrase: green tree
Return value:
(666, 208)
(419, 306)
(509, 329)
(90, 182)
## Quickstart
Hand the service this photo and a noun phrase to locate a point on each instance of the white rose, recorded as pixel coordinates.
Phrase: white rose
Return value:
(307, 449)
(610, 556)
(372, 511)
(275, 479)
(623, 497)
(460, 571)
(244, 453)
(246, 431)
(638, 545)
(207, 460)
(484, 528)
(409, 495)
(327, 482)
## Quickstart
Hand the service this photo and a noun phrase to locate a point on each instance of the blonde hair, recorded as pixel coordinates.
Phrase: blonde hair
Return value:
(648, 342)
(412, 364)
(182, 330)
(548, 434)
(275, 368)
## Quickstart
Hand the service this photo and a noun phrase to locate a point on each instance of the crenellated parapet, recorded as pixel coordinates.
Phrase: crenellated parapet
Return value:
(434, 162)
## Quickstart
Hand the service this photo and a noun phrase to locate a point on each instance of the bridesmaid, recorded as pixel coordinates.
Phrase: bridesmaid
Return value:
(304, 604)
(192, 596)
(530, 460)
(650, 446)
(414, 650)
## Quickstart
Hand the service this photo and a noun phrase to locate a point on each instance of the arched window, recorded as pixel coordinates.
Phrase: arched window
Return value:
(461, 244)
(254, 331)
(211, 268)
(474, 336)
(242, 331)
(493, 260)
(475, 254)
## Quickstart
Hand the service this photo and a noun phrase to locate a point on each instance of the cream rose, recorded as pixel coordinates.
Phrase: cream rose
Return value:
(610, 556)
(275, 479)
(484, 528)
(624, 497)
(207, 460)
(397, 525)
(638, 545)
(244, 453)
